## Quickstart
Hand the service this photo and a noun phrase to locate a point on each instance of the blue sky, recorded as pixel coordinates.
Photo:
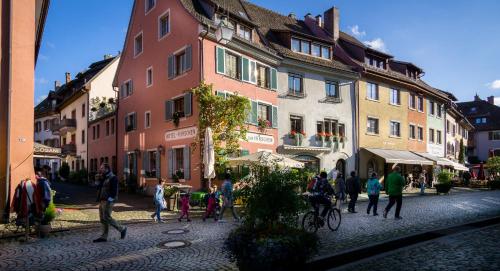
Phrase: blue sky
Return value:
(456, 42)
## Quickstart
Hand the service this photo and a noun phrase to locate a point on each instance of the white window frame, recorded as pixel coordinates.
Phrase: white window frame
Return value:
(409, 131)
(410, 95)
(128, 115)
(423, 102)
(431, 108)
(432, 139)
(378, 125)
(148, 84)
(160, 37)
(142, 44)
(146, 126)
(146, 11)
(377, 92)
(439, 139)
(398, 96)
(418, 137)
(390, 131)
(127, 90)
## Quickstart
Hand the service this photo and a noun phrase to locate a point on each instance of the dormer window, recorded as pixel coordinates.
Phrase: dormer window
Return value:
(375, 62)
(310, 48)
(244, 32)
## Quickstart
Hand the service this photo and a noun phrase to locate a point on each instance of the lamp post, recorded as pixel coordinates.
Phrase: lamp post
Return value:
(224, 33)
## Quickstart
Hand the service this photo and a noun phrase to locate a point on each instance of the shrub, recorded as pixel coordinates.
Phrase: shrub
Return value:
(50, 212)
(495, 184)
(64, 170)
(444, 183)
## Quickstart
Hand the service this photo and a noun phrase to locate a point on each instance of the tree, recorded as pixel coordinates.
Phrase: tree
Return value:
(226, 116)
(461, 155)
(493, 165)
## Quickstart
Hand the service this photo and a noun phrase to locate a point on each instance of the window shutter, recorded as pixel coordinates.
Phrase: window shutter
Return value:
(126, 127)
(244, 69)
(274, 79)
(134, 121)
(244, 152)
(188, 59)
(187, 163)
(131, 82)
(220, 94)
(144, 163)
(169, 106)
(126, 170)
(158, 165)
(253, 67)
(170, 163)
(188, 104)
(134, 170)
(122, 92)
(254, 112)
(275, 117)
(220, 60)
(171, 67)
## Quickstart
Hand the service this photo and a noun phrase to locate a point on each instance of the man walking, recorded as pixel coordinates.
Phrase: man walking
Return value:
(227, 195)
(353, 188)
(107, 195)
(395, 184)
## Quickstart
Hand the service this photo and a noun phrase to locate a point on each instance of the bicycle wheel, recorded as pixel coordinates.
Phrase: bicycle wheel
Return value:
(334, 219)
(309, 222)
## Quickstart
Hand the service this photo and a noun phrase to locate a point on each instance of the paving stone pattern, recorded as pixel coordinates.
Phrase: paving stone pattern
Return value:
(74, 250)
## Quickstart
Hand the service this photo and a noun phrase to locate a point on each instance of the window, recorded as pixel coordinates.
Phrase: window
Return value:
(420, 133)
(296, 124)
(149, 77)
(107, 128)
(329, 126)
(372, 126)
(264, 112)
(93, 132)
(295, 84)
(307, 47)
(372, 91)
(244, 32)
(46, 125)
(316, 50)
(164, 25)
(179, 106)
(438, 137)
(180, 62)
(453, 130)
(412, 101)
(232, 66)
(98, 130)
(420, 104)
(325, 52)
(112, 126)
(395, 128)
(179, 160)
(147, 119)
(439, 110)
(494, 135)
(395, 97)
(319, 127)
(262, 76)
(431, 108)
(83, 136)
(332, 89)
(149, 5)
(431, 135)
(412, 132)
(150, 164)
(127, 88)
(295, 45)
(83, 111)
(447, 126)
(130, 122)
(73, 114)
(138, 44)
(341, 130)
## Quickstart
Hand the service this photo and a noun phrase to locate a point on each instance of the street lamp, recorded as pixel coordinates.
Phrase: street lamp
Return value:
(224, 33)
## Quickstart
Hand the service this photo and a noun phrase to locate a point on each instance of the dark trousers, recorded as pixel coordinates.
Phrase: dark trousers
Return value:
(395, 199)
(320, 200)
(352, 202)
(373, 202)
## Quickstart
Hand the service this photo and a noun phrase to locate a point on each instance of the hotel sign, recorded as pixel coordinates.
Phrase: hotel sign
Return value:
(261, 139)
(181, 134)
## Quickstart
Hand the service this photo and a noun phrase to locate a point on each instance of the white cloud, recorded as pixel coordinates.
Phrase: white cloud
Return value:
(40, 99)
(356, 32)
(43, 57)
(41, 80)
(51, 45)
(494, 85)
(377, 44)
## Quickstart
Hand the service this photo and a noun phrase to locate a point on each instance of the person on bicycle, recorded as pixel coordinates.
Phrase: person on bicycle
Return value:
(321, 194)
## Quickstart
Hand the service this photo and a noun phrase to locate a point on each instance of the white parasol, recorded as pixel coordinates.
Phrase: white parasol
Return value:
(209, 156)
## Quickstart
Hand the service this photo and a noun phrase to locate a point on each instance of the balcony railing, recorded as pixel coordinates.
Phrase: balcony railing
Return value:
(66, 125)
(69, 149)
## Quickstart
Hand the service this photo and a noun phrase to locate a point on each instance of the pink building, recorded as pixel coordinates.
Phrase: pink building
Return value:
(170, 48)
(102, 141)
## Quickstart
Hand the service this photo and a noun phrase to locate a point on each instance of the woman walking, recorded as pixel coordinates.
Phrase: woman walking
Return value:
(159, 201)
(373, 187)
(340, 190)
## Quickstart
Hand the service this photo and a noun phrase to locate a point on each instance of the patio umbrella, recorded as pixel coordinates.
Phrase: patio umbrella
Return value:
(480, 174)
(263, 158)
(209, 156)
(473, 173)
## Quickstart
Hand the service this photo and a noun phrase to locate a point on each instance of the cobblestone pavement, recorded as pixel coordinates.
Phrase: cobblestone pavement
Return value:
(471, 250)
(139, 251)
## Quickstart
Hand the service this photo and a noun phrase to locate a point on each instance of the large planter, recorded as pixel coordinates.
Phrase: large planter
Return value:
(443, 188)
(44, 230)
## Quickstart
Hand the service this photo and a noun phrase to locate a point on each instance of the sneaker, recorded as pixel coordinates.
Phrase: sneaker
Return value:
(375, 214)
(385, 214)
(99, 240)
(160, 221)
(123, 233)
(367, 212)
(398, 218)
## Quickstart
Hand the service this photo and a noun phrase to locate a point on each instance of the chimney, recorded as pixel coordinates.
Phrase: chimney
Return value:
(292, 15)
(491, 100)
(107, 56)
(319, 20)
(331, 23)
(68, 77)
(57, 85)
(308, 15)
(476, 98)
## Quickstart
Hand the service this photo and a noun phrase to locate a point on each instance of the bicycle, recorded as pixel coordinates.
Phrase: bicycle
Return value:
(312, 221)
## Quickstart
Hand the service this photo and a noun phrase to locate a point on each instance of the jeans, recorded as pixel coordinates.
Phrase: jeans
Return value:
(395, 199)
(373, 202)
(228, 204)
(158, 211)
(352, 202)
(320, 200)
(105, 210)
(422, 188)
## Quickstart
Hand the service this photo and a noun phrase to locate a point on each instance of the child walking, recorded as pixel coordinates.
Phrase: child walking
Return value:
(211, 206)
(185, 208)
(373, 190)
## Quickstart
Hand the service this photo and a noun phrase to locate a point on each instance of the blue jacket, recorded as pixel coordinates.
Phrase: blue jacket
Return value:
(158, 198)
(373, 186)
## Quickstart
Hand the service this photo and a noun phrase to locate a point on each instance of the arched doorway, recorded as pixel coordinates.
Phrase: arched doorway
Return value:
(311, 162)
(340, 167)
(371, 167)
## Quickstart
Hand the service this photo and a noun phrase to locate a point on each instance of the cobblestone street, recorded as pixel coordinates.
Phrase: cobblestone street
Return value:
(74, 250)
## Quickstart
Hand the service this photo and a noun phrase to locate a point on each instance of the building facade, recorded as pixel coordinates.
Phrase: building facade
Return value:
(102, 139)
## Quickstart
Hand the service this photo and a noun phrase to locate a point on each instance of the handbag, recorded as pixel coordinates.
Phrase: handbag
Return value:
(163, 204)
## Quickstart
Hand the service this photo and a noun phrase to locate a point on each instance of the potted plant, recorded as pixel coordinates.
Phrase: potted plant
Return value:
(443, 184)
(320, 136)
(328, 139)
(169, 195)
(263, 124)
(178, 176)
(48, 216)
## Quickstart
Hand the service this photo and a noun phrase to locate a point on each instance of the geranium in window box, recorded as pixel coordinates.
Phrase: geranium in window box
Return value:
(343, 139)
(263, 124)
(320, 136)
(292, 134)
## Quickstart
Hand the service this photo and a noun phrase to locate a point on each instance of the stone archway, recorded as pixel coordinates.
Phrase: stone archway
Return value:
(341, 167)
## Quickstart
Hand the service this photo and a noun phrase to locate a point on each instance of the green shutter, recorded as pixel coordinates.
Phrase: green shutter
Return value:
(253, 67)
(244, 152)
(244, 68)
(274, 118)
(170, 163)
(187, 163)
(249, 117)
(274, 82)
(220, 60)
(254, 112)
(220, 93)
